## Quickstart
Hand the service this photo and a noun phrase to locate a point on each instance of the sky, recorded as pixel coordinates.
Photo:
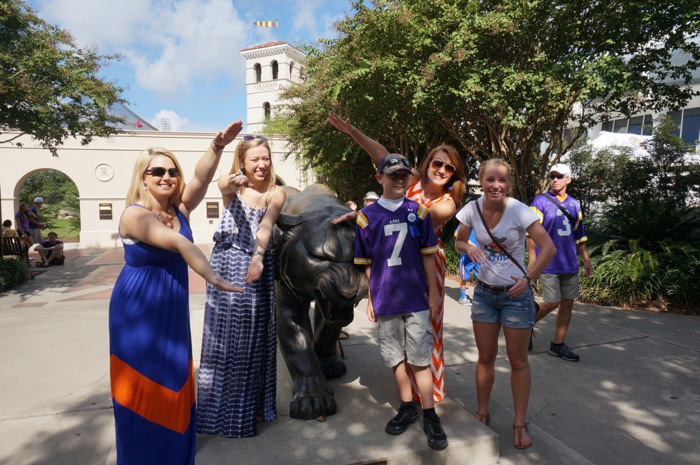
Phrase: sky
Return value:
(180, 58)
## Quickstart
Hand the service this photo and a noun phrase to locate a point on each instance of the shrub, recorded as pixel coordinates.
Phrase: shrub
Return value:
(645, 253)
(13, 272)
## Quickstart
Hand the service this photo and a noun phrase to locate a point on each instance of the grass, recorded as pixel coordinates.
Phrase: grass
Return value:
(64, 229)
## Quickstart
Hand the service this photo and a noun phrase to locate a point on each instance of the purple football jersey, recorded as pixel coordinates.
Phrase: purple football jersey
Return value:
(564, 235)
(392, 244)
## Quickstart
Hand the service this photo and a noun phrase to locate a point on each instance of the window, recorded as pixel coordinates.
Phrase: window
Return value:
(212, 210)
(266, 109)
(691, 126)
(634, 125)
(105, 211)
(275, 69)
(620, 126)
(677, 117)
(258, 72)
(291, 70)
(638, 125)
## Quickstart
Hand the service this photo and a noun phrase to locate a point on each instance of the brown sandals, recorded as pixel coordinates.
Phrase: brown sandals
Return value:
(518, 430)
(483, 418)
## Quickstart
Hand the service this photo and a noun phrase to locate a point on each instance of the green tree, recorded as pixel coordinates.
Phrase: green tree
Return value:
(49, 88)
(493, 78)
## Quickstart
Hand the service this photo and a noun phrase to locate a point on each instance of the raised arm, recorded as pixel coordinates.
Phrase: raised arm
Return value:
(196, 189)
(375, 150)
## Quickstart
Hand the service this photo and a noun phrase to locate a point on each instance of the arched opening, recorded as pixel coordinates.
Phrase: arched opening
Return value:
(258, 72)
(275, 69)
(60, 209)
(266, 109)
(291, 70)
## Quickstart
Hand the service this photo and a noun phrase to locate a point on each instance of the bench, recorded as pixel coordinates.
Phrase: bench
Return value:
(11, 246)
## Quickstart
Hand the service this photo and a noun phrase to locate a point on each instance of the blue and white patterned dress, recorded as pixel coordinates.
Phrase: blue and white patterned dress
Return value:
(238, 370)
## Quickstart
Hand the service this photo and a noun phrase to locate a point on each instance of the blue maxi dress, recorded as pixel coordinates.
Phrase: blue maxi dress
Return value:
(151, 367)
(237, 380)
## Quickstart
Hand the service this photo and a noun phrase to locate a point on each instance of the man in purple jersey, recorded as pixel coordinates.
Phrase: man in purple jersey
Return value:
(560, 214)
(395, 242)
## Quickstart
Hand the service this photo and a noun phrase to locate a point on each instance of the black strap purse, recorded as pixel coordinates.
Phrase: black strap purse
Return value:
(505, 252)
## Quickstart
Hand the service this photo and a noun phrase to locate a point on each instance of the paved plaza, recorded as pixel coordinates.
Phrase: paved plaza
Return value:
(634, 398)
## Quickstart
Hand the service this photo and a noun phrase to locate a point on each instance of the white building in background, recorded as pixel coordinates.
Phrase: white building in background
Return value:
(687, 119)
(270, 68)
(102, 170)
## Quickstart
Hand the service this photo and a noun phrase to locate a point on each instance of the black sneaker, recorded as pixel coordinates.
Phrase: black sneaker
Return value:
(408, 414)
(437, 439)
(563, 351)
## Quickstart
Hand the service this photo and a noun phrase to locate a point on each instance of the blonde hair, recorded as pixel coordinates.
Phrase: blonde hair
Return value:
(455, 186)
(498, 162)
(137, 188)
(239, 159)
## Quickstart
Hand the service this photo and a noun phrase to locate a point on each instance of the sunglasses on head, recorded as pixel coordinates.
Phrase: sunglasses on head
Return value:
(250, 137)
(159, 172)
(556, 176)
(449, 168)
(394, 161)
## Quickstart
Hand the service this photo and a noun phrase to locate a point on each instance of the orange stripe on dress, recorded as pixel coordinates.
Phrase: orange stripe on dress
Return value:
(151, 400)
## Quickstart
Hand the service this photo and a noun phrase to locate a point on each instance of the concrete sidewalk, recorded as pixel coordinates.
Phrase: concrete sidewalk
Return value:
(634, 398)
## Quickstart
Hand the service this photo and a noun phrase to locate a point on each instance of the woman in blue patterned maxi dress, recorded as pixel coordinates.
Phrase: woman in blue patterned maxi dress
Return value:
(151, 367)
(238, 373)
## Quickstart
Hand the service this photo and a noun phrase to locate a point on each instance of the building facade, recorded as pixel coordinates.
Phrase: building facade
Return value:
(102, 170)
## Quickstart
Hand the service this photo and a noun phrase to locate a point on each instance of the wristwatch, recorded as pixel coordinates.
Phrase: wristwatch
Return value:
(529, 279)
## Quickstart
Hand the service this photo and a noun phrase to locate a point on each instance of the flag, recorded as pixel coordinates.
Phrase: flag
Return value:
(274, 23)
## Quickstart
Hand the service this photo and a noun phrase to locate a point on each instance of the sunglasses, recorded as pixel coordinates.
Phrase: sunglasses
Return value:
(389, 162)
(556, 176)
(449, 168)
(250, 137)
(159, 172)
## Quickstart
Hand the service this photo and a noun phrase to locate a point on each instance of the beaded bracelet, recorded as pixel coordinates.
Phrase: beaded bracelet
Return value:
(216, 147)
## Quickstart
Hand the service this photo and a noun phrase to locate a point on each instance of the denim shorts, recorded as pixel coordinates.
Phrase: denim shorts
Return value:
(557, 287)
(496, 307)
(406, 337)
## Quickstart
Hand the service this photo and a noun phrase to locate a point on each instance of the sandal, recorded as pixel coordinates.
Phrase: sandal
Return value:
(483, 418)
(518, 430)
(41, 265)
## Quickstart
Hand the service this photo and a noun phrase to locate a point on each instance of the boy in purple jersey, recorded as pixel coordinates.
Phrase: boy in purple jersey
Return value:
(560, 286)
(395, 242)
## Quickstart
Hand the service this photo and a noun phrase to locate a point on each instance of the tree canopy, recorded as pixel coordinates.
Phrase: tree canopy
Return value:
(504, 78)
(49, 88)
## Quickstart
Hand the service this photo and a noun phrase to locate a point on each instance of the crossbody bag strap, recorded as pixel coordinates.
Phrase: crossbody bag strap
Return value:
(481, 215)
(563, 210)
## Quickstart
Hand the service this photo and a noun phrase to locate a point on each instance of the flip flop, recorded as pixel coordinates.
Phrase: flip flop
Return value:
(41, 265)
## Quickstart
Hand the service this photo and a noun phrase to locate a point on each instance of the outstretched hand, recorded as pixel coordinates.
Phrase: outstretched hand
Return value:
(227, 135)
(342, 125)
(349, 216)
(235, 181)
(223, 285)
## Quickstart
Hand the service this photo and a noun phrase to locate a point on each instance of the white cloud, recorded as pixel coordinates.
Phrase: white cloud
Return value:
(169, 44)
(168, 120)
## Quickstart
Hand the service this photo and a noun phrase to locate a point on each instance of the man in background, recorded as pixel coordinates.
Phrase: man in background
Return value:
(561, 216)
(35, 223)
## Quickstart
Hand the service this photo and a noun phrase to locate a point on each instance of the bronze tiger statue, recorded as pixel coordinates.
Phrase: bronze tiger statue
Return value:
(314, 263)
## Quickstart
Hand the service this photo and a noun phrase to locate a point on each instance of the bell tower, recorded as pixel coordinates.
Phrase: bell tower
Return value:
(270, 68)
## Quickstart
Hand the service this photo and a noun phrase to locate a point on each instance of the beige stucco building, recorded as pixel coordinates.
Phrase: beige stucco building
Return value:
(102, 170)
